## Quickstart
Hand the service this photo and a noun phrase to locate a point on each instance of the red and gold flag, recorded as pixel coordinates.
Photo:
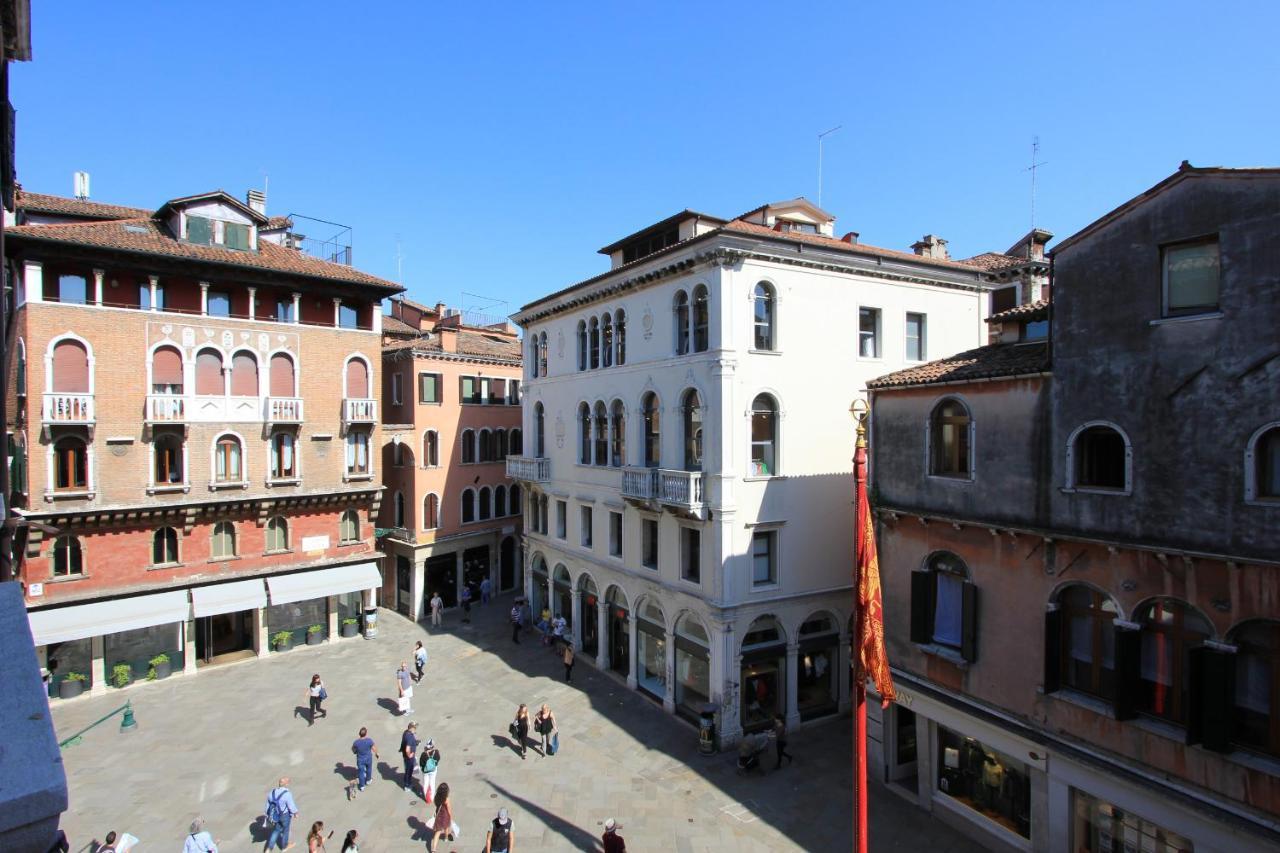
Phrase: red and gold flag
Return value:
(871, 650)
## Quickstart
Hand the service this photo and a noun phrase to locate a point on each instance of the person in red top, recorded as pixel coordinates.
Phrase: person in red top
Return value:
(613, 842)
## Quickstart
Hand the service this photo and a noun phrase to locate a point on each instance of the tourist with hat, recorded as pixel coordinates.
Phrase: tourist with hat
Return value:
(612, 841)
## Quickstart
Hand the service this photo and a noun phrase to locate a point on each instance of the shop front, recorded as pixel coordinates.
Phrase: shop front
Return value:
(300, 601)
(441, 573)
(619, 632)
(1100, 827)
(225, 617)
(538, 587)
(763, 675)
(985, 780)
(589, 626)
(475, 568)
(137, 648)
(651, 651)
(693, 667)
(817, 678)
(509, 566)
(404, 585)
(562, 599)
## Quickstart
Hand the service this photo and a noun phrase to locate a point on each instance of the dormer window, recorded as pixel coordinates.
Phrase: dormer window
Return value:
(1036, 330)
(235, 236)
(200, 230)
(801, 227)
(204, 231)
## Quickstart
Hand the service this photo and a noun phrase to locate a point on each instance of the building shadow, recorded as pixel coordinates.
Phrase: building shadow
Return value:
(576, 838)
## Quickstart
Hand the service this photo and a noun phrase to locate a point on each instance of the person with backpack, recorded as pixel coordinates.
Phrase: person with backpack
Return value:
(501, 838)
(198, 839)
(429, 758)
(280, 810)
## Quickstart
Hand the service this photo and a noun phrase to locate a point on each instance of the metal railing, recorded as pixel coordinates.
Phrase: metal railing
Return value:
(66, 408)
(532, 469)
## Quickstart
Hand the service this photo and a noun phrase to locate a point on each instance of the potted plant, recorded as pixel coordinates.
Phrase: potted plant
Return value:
(159, 667)
(350, 626)
(282, 640)
(314, 635)
(72, 686)
(121, 674)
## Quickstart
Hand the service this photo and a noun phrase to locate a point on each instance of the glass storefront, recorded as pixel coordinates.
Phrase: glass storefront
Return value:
(588, 605)
(693, 667)
(562, 604)
(816, 682)
(475, 568)
(1099, 827)
(651, 651)
(62, 659)
(136, 648)
(537, 588)
(987, 781)
(351, 606)
(441, 572)
(295, 617)
(619, 632)
(763, 676)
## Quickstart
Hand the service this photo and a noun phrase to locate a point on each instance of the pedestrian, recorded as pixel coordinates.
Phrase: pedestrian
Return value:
(501, 838)
(568, 660)
(486, 587)
(420, 659)
(409, 752)
(437, 609)
(780, 741)
(117, 843)
(316, 837)
(316, 694)
(280, 813)
(558, 626)
(545, 725)
(198, 839)
(351, 842)
(520, 728)
(366, 750)
(613, 842)
(466, 602)
(516, 619)
(404, 684)
(442, 823)
(429, 761)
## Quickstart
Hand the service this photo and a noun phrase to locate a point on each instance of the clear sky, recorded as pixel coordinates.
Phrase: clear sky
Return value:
(502, 144)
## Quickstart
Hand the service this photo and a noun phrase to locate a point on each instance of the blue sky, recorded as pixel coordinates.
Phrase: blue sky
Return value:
(502, 144)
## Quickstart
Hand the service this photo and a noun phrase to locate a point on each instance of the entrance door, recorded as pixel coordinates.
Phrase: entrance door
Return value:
(475, 568)
(442, 577)
(404, 585)
(507, 560)
(224, 634)
(620, 645)
(590, 627)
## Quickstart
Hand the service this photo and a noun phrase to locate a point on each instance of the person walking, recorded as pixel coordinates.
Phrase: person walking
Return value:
(521, 724)
(780, 741)
(501, 838)
(198, 839)
(568, 660)
(558, 626)
(316, 837)
(409, 752)
(366, 750)
(545, 725)
(404, 684)
(466, 603)
(437, 609)
(420, 659)
(516, 618)
(442, 823)
(117, 844)
(351, 843)
(486, 587)
(429, 760)
(316, 694)
(280, 810)
(611, 840)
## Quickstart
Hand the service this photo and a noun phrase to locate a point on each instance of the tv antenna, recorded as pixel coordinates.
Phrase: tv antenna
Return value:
(399, 262)
(1035, 154)
(824, 133)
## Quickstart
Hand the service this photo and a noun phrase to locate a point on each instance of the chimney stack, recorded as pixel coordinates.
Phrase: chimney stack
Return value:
(82, 185)
(448, 338)
(931, 246)
(257, 200)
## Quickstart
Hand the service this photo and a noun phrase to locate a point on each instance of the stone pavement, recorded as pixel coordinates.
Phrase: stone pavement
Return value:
(214, 744)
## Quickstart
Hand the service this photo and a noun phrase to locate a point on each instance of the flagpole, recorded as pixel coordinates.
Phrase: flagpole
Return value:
(859, 677)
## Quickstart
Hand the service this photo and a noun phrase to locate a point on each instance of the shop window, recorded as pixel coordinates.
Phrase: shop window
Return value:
(652, 430)
(70, 464)
(649, 535)
(764, 301)
(468, 506)
(1190, 279)
(693, 666)
(615, 534)
(429, 386)
(950, 439)
(228, 462)
(1170, 630)
(224, 540)
(618, 434)
(586, 522)
(209, 374)
(764, 436)
(357, 453)
(817, 682)
(562, 513)
(431, 449)
(651, 650)
(985, 780)
(1099, 459)
(67, 559)
(620, 336)
(1080, 642)
(944, 606)
(277, 534)
(680, 310)
(1255, 718)
(1100, 827)
(349, 527)
(701, 319)
(167, 456)
(430, 512)
(584, 433)
(284, 463)
(764, 674)
(764, 563)
(691, 407)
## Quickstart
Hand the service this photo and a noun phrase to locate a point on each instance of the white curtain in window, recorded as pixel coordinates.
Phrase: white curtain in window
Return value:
(946, 615)
(287, 449)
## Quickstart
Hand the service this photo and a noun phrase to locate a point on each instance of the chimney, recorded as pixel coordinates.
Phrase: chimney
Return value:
(257, 200)
(439, 309)
(851, 238)
(931, 246)
(448, 338)
(82, 185)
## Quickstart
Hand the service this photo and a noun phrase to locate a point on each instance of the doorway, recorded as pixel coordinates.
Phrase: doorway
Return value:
(224, 637)
(442, 577)
(507, 561)
(404, 585)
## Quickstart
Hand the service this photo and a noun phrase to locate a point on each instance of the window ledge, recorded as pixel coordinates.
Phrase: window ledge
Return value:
(351, 478)
(946, 653)
(761, 478)
(242, 484)
(943, 478)
(696, 584)
(277, 552)
(764, 352)
(1071, 696)
(766, 587)
(163, 566)
(1268, 503)
(223, 559)
(68, 496)
(166, 490)
(1190, 318)
(1092, 490)
(83, 576)
(349, 544)
(284, 481)
(1163, 728)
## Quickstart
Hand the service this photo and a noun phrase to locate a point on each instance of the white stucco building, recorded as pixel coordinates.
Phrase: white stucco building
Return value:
(689, 443)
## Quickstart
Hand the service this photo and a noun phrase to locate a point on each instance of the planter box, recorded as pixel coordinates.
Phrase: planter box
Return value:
(163, 670)
(70, 689)
(315, 638)
(285, 646)
(350, 630)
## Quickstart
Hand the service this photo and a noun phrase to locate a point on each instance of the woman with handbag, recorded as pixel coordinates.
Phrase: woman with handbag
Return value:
(316, 694)
(442, 824)
(520, 728)
(545, 725)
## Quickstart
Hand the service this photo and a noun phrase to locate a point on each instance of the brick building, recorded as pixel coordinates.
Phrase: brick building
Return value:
(192, 425)
(451, 414)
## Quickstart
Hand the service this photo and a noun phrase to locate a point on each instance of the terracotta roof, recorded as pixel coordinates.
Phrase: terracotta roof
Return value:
(989, 362)
(276, 222)
(1037, 310)
(991, 261)
(426, 309)
(674, 219)
(840, 245)
(395, 326)
(41, 203)
(479, 344)
(150, 237)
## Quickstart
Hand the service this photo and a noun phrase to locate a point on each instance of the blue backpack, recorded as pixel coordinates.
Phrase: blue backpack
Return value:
(273, 806)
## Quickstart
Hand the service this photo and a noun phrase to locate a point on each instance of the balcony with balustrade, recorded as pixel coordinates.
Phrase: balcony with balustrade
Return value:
(66, 408)
(166, 409)
(282, 410)
(357, 410)
(669, 487)
(530, 469)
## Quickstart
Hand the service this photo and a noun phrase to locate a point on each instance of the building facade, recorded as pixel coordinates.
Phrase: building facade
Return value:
(192, 420)
(451, 412)
(1079, 535)
(688, 443)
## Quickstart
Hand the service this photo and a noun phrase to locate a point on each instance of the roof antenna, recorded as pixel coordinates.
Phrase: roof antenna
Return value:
(1035, 153)
(820, 136)
(399, 262)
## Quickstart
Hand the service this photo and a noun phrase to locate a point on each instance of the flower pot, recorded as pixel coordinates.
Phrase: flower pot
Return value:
(162, 670)
(350, 629)
(315, 638)
(284, 646)
(70, 688)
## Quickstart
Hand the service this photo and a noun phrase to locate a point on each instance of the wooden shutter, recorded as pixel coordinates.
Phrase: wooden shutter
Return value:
(244, 375)
(1052, 650)
(166, 367)
(209, 373)
(281, 375)
(70, 367)
(1193, 678)
(199, 230)
(922, 607)
(969, 622)
(357, 380)
(1128, 658)
(1212, 697)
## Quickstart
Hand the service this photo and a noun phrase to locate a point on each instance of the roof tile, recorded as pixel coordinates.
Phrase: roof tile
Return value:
(1038, 310)
(989, 362)
(61, 205)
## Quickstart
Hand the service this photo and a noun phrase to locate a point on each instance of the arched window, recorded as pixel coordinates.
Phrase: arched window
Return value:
(70, 465)
(228, 461)
(950, 433)
(282, 376)
(244, 375)
(1256, 716)
(485, 506)
(602, 434)
(499, 501)
(542, 354)
(164, 547)
(166, 371)
(533, 357)
(618, 437)
(652, 430)
(701, 319)
(691, 406)
(209, 373)
(284, 462)
(357, 379)
(517, 442)
(431, 449)
(468, 446)
(485, 448)
(1262, 465)
(620, 337)
(944, 605)
(606, 341)
(1099, 459)
(539, 430)
(430, 512)
(278, 534)
(681, 310)
(1085, 640)
(70, 367)
(763, 299)
(584, 433)
(582, 344)
(1170, 630)
(224, 540)
(167, 455)
(66, 557)
(397, 510)
(500, 444)
(764, 436)
(514, 508)
(593, 334)
(349, 527)
(468, 506)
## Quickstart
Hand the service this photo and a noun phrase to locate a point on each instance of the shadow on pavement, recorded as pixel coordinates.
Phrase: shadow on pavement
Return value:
(579, 839)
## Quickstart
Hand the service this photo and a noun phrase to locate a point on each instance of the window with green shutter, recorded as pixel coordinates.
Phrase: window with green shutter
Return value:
(199, 230)
(235, 236)
(429, 388)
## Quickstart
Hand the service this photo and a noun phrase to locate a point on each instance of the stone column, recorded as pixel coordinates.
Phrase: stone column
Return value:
(204, 299)
(669, 695)
(632, 637)
(792, 713)
(253, 302)
(97, 667)
(155, 289)
(189, 647)
(575, 618)
(602, 632)
(337, 307)
(417, 588)
(33, 282)
(97, 286)
(297, 308)
(261, 642)
(333, 618)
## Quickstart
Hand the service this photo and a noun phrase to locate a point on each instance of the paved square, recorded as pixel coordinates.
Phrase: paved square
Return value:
(214, 744)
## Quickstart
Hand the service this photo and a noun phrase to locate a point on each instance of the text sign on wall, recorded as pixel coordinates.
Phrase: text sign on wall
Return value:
(315, 543)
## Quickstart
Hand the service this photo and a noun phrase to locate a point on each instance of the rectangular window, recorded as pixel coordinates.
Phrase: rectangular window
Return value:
(348, 317)
(284, 310)
(235, 236)
(691, 554)
(144, 296)
(562, 512)
(1004, 299)
(615, 534)
(513, 392)
(1101, 826)
(357, 453)
(586, 526)
(73, 289)
(470, 389)
(1191, 279)
(915, 337)
(199, 230)
(869, 332)
(649, 530)
(763, 565)
(219, 303)
(946, 613)
(497, 392)
(395, 389)
(429, 386)
(996, 786)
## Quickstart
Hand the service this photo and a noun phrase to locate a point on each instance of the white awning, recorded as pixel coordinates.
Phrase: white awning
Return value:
(97, 618)
(303, 586)
(229, 597)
